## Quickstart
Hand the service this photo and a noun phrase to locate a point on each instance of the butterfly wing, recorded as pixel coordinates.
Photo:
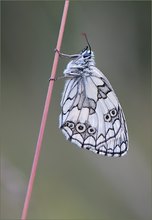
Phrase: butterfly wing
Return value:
(92, 117)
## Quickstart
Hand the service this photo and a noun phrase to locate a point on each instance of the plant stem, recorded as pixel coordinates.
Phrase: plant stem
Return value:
(45, 114)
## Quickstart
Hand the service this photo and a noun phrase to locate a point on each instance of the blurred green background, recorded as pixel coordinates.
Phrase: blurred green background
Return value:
(72, 183)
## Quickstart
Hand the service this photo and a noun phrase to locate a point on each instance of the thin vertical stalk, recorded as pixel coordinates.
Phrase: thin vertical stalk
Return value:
(45, 114)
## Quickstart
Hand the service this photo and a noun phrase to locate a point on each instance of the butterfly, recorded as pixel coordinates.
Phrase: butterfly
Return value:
(91, 115)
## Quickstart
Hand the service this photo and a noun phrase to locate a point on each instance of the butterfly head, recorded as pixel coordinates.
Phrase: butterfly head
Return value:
(86, 56)
(86, 52)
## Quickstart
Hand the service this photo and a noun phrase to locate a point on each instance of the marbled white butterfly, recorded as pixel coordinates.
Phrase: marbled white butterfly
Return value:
(91, 115)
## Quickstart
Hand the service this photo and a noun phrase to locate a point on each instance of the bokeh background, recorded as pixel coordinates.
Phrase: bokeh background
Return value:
(72, 183)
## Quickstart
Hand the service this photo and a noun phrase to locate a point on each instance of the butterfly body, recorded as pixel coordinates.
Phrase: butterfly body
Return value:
(91, 115)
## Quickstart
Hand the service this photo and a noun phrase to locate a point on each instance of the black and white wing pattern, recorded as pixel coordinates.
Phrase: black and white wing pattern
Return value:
(91, 115)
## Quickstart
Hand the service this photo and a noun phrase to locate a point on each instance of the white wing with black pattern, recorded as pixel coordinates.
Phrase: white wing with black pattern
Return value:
(91, 115)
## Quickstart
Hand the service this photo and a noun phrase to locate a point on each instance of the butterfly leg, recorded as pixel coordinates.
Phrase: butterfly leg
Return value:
(60, 77)
(66, 55)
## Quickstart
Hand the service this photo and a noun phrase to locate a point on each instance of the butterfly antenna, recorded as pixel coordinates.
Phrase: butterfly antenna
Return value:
(85, 35)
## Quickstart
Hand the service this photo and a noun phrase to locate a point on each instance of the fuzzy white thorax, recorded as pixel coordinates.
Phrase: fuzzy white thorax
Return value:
(81, 64)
